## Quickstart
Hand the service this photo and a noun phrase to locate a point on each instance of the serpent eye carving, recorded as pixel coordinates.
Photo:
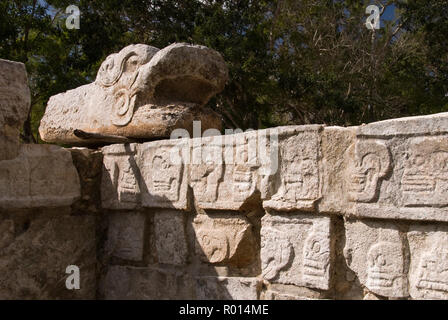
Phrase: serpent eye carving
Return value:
(123, 108)
(109, 72)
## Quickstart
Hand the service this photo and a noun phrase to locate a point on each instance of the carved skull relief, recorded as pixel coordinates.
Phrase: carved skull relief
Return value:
(127, 182)
(301, 172)
(385, 274)
(433, 271)
(370, 162)
(207, 174)
(166, 177)
(316, 257)
(244, 181)
(276, 252)
(425, 178)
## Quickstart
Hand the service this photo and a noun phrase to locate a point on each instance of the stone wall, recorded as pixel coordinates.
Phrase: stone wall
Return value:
(300, 212)
(305, 212)
(46, 222)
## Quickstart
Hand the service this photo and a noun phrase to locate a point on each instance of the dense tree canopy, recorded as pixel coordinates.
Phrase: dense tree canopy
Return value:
(291, 61)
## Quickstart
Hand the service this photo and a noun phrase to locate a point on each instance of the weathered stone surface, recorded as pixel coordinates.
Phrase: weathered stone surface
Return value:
(398, 170)
(152, 175)
(170, 237)
(376, 252)
(120, 187)
(164, 174)
(227, 288)
(275, 295)
(335, 142)
(428, 274)
(228, 240)
(218, 182)
(140, 92)
(233, 172)
(34, 258)
(15, 102)
(132, 283)
(41, 176)
(126, 236)
(296, 184)
(295, 249)
(6, 233)
(89, 164)
(420, 125)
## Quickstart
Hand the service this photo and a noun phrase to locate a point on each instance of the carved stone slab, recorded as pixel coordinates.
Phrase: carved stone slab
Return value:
(296, 185)
(335, 143)
(429, 261)
(376, 252)
(295, 250)
(120, 187)
(170, 238)
(15, 102)
(41, 176)
(227, 288)
(126, 236)
(140, 92)
(224, 240)
(276, 295)
(164, 173)
(280, 166)
(398, 170)
(224, 170)
(132, 283)
(207, 172)
(34, 261)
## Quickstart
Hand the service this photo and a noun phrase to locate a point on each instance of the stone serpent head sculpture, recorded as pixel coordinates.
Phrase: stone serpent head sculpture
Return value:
(139, 92)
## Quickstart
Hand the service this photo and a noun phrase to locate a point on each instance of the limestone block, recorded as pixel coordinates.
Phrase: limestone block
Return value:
(15, 102)
(280, 166)
(170, 237)
(164, 173)
(120, 187)
(295, 249)
(6, 233)
(89, 164)
(227, 288)
(227, 240)
(132, 283)
(377, 253)
(33, 263)
(428, 274)
(335, 142)
(275, 295)
(223, 170)
(140, 92)
(126, 236)
(296, 184)
(397, 170)
(41, 176)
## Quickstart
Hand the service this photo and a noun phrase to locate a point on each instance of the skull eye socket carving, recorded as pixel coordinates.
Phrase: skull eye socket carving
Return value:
(315, 247)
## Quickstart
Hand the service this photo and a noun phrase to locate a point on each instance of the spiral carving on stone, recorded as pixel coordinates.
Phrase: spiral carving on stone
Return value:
(123, 108)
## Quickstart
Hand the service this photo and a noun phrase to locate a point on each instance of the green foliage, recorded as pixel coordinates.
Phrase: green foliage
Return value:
(290, 61)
